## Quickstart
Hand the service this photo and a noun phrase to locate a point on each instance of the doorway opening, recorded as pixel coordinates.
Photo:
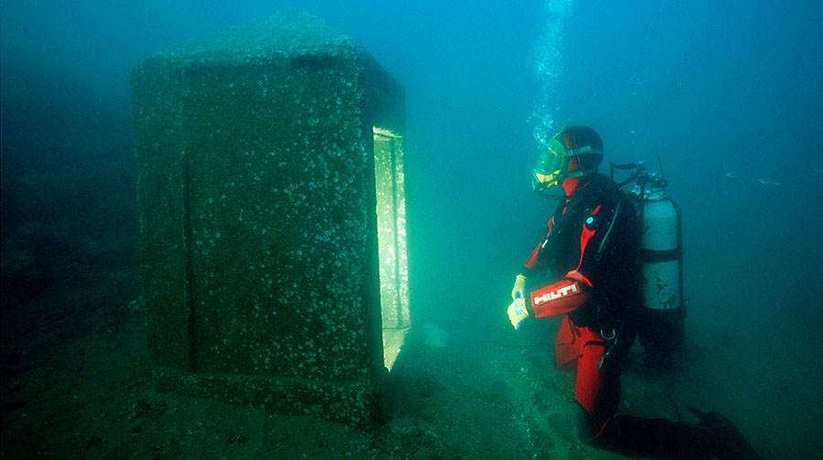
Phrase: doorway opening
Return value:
(391, 237)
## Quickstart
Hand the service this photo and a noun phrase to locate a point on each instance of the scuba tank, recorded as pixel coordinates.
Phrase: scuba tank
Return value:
(659, 320)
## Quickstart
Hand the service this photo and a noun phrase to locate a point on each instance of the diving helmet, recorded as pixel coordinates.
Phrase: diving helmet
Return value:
(573, 152)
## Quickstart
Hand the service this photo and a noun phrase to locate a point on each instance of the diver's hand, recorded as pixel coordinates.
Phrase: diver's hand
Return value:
(517, 312)
(519, 288)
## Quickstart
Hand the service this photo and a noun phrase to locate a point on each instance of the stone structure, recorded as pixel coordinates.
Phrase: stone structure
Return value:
(258, 187)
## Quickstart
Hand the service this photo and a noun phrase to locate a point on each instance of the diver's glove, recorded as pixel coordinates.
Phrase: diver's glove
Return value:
(519, 289)
(517, 312)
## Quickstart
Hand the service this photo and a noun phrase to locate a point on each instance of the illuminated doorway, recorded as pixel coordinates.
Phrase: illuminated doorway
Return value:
(391, 236)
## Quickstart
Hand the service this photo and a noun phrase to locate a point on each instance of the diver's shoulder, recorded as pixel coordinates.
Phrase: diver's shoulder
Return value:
(604, 184)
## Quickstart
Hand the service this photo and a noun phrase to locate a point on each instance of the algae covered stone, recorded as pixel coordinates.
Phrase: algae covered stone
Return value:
(257, 209)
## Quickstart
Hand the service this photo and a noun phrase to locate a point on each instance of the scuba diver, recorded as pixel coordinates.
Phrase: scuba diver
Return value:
(586, 269)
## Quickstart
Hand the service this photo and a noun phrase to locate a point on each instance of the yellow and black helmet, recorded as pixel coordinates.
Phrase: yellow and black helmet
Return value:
(573, 152)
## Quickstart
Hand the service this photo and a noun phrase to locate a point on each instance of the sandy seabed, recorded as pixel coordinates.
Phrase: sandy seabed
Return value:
(92, 394)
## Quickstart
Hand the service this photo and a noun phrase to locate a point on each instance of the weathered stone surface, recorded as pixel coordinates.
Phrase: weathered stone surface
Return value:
(257, 208)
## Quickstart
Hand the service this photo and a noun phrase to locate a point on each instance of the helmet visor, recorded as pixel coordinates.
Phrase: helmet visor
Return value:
(550, 167)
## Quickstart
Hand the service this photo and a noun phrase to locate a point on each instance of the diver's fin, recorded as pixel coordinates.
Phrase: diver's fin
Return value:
(727, 433)
(713, 438)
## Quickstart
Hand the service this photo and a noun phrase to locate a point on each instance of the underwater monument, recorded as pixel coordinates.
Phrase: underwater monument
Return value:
(273, 253)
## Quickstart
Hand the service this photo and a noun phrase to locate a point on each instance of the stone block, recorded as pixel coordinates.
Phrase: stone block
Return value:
(258, 205)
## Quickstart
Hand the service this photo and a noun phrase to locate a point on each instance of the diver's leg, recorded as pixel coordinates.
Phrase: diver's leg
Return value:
(565, 350)
(597, 385)
(656, 437)
(714, 436)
